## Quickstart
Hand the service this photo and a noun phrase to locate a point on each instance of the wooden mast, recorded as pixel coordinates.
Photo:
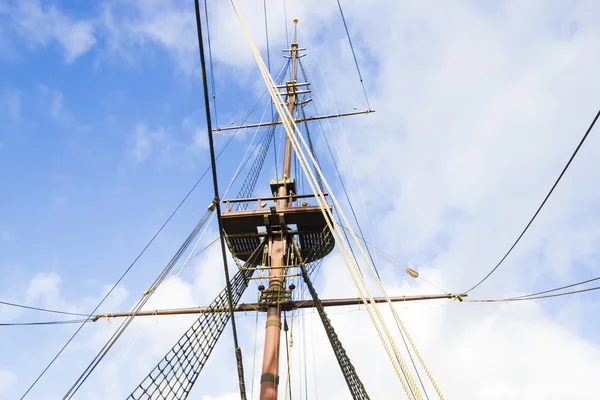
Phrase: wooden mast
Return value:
(269, 380)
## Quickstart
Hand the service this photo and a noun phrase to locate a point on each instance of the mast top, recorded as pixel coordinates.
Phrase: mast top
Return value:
(295, 31)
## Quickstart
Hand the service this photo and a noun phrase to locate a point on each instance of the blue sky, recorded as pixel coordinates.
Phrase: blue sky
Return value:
(478, 107)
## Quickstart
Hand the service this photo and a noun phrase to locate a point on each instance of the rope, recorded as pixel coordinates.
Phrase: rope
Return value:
(240, 366)
(198, 254)
(139, 305)
(71, 321)
(337, 170)
(212, 69)
(393, 259)
(175, 374)
(353, 54)
(305, 364)
(543, 202)
(43, 309)
(533, 297)
(291, 127)
(560, 288)
(68, 342)
(288, 383)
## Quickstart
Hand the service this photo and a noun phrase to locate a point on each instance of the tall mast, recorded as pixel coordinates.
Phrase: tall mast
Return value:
(291, 99)
(269, 380)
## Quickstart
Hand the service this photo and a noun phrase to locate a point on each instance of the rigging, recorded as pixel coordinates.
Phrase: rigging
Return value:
(212, 69)
(6, 303)
(140, 254)
(63, 322)
(543, 202)
(353, 53)
(543, 294)
(217, 201)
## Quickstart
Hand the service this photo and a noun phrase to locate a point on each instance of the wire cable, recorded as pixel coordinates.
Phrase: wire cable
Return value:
(188, 194)
(535, 295)
(217, 201)
(543, 202)
(68, 342)
(212, 69)
(523, 298)
(6, 303)
(70, 321)
(353, 53)
(139, 305)
(560, 288)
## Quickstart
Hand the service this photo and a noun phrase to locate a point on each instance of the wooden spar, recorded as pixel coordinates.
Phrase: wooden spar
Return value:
(261, 124)
(298, 304)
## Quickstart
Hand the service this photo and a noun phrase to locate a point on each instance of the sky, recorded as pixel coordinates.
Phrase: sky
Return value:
(479, 105)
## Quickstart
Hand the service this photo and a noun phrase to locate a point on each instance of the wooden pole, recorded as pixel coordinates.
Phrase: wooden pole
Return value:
(298, 304)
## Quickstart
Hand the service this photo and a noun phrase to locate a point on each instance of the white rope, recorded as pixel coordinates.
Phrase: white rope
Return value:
(344, 136)
(360, 284)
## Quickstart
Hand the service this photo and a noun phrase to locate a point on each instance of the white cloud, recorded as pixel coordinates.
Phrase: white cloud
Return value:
(167, 145)
(171, 26)
(39, 25)
(10, 104)
(53, 101)
(8, 380)
(44, 285)
(56, 105)
(191, 125)
(142, 143)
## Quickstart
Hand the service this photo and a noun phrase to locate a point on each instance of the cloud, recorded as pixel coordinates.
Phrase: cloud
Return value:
(8, 380)
(142, 143)
(11, 99)
(131, 27)
(44, 285)
(10, 108)
(38, 25)
(169, 146)
(53, 101)
(170, 26)
(191, 125)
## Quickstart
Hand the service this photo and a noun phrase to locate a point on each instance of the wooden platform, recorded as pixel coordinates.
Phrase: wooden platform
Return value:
(246, 229)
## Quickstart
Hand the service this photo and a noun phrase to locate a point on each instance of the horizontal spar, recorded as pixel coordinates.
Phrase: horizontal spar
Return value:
(297, 304)
(229, 128)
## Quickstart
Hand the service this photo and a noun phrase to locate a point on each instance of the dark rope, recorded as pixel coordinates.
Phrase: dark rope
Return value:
(217, 201)
(543, 202)
(123, 275)
(140, 304)
(212, 69)
(361, 234)
(43, 309)
(71, 321)
(353, 54)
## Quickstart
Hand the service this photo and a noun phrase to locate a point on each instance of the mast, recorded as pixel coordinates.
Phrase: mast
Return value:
(269, 380)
